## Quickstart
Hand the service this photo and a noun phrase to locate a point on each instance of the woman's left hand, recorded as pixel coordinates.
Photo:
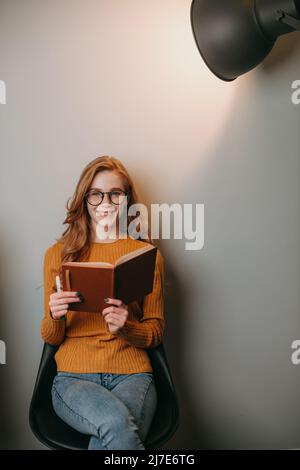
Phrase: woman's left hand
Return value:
(115, 315)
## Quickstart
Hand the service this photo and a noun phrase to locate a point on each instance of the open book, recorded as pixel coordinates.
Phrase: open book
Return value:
(129, 279)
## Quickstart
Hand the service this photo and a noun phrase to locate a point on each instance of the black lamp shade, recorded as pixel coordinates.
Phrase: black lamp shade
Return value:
(234, 36)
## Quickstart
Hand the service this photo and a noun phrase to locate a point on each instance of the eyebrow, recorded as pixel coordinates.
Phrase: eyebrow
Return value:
(100, 189)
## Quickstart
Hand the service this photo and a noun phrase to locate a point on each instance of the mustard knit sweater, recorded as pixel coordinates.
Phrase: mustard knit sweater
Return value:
(85, 342)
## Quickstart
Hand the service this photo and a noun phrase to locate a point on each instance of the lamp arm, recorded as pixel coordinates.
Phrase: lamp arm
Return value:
(288, 20)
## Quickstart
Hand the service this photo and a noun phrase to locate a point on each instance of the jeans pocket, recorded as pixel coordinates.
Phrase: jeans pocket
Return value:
(146, 375)
(149, 374)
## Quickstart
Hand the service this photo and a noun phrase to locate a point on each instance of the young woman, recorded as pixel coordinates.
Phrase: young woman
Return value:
(104, 386)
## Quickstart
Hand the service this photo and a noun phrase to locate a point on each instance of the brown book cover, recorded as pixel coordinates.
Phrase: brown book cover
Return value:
(130, 278)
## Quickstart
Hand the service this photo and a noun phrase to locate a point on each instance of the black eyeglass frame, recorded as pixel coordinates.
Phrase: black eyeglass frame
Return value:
(126, 193)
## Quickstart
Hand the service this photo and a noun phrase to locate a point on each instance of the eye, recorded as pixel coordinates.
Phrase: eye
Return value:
(95, 193)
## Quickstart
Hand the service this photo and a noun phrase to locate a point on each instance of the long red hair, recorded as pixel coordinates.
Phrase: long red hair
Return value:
(76, 239)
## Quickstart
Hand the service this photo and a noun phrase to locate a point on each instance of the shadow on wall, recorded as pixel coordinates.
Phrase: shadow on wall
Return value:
(190, 433)
(7, 415)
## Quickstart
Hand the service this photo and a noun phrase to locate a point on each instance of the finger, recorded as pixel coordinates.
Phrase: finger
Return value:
(117, 302)
(66, 294)
(111, 310)
(114, 319)
(59, 308)
(107, 310)
(60, 314)
(63, 301)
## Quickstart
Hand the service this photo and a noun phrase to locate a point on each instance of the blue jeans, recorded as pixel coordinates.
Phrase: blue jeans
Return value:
(116, 410)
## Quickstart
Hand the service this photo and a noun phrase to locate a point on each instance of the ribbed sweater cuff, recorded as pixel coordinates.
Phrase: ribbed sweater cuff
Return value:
(53, 331)
(147, 334)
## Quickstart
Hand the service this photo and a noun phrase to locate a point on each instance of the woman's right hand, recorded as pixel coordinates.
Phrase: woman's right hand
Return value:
(59, 303)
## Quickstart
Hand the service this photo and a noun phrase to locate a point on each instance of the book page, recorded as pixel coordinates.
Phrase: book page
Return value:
(102, 264)
(90, 264)
(133, 254)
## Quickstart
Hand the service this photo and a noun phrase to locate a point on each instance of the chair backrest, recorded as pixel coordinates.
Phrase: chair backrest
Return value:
(56, 434)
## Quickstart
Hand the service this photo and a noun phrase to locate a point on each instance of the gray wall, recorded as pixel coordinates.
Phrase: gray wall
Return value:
(124, 78)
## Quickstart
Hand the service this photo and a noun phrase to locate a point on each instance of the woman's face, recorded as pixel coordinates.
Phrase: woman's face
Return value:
(106, 214)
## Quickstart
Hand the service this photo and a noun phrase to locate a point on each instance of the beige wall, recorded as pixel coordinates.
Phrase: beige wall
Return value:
(124, 78)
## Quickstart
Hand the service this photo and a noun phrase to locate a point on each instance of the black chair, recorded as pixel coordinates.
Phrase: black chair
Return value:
(54, 433)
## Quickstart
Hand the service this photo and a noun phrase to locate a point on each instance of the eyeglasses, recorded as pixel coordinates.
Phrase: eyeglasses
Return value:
(95, 198)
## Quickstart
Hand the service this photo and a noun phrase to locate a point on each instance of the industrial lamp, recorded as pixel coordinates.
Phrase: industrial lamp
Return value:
(234, 36)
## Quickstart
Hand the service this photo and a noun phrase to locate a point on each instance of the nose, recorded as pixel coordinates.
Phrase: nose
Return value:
(106, 196)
